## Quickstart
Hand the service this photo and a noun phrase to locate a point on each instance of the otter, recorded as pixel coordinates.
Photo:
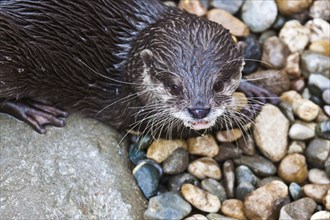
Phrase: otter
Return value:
(134, 64)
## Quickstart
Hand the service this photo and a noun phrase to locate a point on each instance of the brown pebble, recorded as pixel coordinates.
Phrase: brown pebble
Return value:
(287, 7)
(193, 7)
(321, 46)
(293, 168)
(326, 200)
(233, 208)
(205, 167)
(316, 191)
(161, 149)
(229, 135)
(203, 146)
(292, 68)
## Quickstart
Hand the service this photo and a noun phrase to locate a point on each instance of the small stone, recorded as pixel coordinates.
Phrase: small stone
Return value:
(326, 96)
(228, 151)
(200, 199)
(320, 46)
(276, 81)
(230, 6)
(196, 217)
(205, 167)
(193, 7)
(317, 152)
(203, 146)
(177, 162)
(321, 215)
(297, 147)
(316, 191)
(258, 164)
(229, 178)
(320, 9)
(268, 180)
(233, 24)
(160, 149)
(320, 29)
(298, 84)
(266, 35)
(233, 208)
(295, 36)
(313, 62)
(318, 176)
(292, 68)
(275, 53)
(293, 168)
(293, 7)
(323, 129)
(301, 209)
(252, 54)
(286, 109)
(168, 205)
(266, 201)
(326, 200)
(247, 145)
(270, 132)
(175, 182)
(295, 191)
(215, 188)
(305, 109)
(215, 216)
(326, 109)
(300, 131)
(279, 22)
(317, 83)
(229, 135)
(244, 174)
(290, 97)
(259, 15)
(243, 189)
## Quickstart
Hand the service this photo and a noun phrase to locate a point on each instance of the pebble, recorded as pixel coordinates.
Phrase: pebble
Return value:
(317, 152)
(147, 178)
(320, 29)
(247, 145)
(228, 151)
(318, 176)
(230, 6)
(279, 22)
(317, 83)
(253, 51)
(268, 180)
(321, 215)
(196, 217)
(175, 182)
(305, 109)
(229, 178)
(215, 188)
(275, 53)
(244, 174)
(233, 208)
(215, 216)
(266, 35)
(205, 167)
(295, 191)
(320, 9)
(203, 146)
(193, 7)
(200, 199)
(297, 147)
(301, 209)
(266, 201)
(235, 26)
(293, 7)
(286, 109)
(229, 135)
(313, 62)
(290, 96)
(326, 96)
(298, 84)
(168, 205)
(295, 36)
(259, 15)
(161, 149)
(292, 68)
(326, 109)
(293, 168)
(320, 46)
(301, 131)
(243, 189)
(323, 129)
(258, 164)
(270, 132)
(177, 162)
(326, 200)
(316, 191)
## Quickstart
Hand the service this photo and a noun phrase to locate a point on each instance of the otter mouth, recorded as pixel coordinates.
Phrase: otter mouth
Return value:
(199, 125)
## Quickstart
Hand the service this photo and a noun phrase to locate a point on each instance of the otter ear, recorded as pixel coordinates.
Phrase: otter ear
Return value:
(240, 47)
(146, 56)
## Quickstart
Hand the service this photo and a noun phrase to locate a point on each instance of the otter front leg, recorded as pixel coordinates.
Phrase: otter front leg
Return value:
(257, 92)
(36, 114)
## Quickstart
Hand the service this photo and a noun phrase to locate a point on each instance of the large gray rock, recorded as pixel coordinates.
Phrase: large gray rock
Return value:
(76, 172)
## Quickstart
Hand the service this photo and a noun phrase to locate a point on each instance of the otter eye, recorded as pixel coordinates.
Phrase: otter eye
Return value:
(174, 89)
(218, 86)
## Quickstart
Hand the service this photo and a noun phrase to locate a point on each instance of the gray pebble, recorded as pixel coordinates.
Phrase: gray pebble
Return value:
(244, 174)
(295, 191)
(279, 22)
(301, 209)
(168, 205)
(327, 166)
(258, 164)
(177, 162)
(323, 129)
(267, 180)
(313, 62)
(326, 96)
(175, 182)
(228, 5)
(229, 178)
(215, 188)
(320, 9)
(326, 109)
(243, 189)
(317, 152)
(287, 110)
(274, 53)
(228, 151)
(300, 131)
(317, 83)
(247, 145)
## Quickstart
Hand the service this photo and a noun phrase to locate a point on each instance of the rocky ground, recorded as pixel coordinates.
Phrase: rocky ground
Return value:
(277, 167)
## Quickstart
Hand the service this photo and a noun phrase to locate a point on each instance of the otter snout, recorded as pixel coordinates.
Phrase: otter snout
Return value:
(199, 113)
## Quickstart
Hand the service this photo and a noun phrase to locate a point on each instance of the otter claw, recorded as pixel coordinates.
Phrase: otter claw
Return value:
(261, 94)
(37, 115)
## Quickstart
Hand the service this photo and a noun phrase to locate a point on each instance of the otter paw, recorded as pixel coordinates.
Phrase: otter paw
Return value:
(36, 114)
(258, 93)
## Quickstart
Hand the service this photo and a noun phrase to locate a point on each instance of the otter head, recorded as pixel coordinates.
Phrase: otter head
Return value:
(187, 69)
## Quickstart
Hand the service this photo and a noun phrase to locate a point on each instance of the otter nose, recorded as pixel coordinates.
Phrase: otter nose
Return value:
(199, 113)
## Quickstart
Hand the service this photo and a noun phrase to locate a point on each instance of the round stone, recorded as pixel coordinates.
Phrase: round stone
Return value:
(244, 174)
(295, 191)
(323, 129)
(229, 135)
(228, 151)
(320, 215)
(293, 7)
(193, 7)
(292, 68)
(320, 46)
(305, 109)
(320, 29)
(317, 152)
(320, 9)
(275, 53)
(326, 96)
(215, 188)
(233, 208)
(316, 191)
(177, 162)
(313, 62)
(299, 131)
(318, 176)
(301, 209)
(205, 167)
(161, 149)
(203, 146)
(258, 164)
(243, 189)
(293, 168)
(230, 6)
(175, 182)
